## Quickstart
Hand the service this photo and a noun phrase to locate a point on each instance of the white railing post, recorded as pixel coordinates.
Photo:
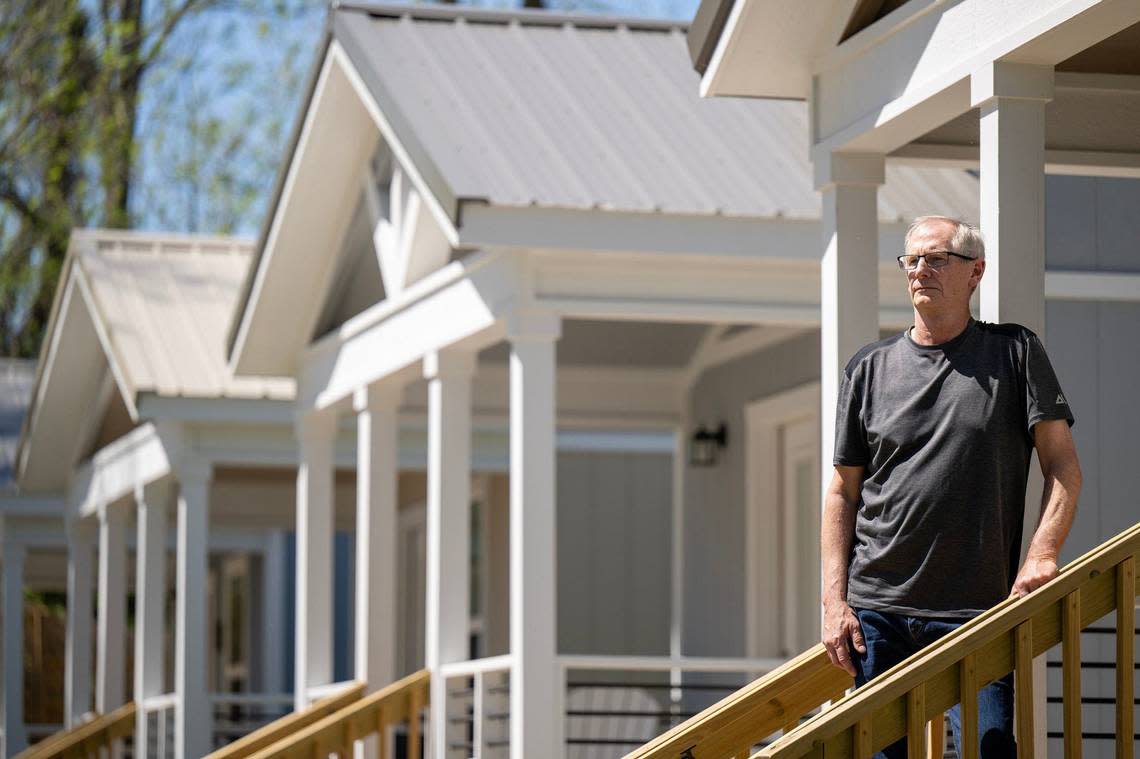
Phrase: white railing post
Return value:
(313, 664)
(449, 375)
(77, 665)
(536, 696)
(15, 737)
(150, 603)
(192, 716)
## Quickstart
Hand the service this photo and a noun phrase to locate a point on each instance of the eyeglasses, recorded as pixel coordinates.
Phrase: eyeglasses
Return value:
(935, 259)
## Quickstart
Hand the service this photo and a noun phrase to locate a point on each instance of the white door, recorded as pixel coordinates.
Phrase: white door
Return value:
(800, 509)
(782, 522)
(412, 553)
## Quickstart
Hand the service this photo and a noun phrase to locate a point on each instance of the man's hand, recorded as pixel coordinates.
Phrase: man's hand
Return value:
(1035, 572)
(841, 632)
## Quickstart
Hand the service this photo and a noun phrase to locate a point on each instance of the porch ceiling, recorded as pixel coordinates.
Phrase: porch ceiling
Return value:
(1089, 112)
(1118, 54)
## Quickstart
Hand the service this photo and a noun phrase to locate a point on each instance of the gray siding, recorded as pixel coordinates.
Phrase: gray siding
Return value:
(614, 527)
(714, 497)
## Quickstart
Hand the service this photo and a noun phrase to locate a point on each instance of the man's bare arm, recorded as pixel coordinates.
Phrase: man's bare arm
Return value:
(1062, 472)
(841, 628)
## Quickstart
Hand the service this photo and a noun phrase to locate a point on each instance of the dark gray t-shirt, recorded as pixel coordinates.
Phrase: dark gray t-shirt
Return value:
(945, 435)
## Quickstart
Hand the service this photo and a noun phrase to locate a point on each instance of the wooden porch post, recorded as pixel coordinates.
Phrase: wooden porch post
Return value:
(313, 663)
(192, 718)
(77, 664)
(15, 737)
(1011, 99)
(449, 374)
(536, 685)
(150, 601)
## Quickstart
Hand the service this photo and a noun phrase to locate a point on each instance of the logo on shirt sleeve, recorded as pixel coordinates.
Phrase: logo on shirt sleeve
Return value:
(1061, 400)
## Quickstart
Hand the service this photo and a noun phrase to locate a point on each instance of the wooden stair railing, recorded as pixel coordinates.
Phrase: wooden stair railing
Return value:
(289, 724)
(903, 700)
(776, 701)
(86, 740)
(402, 701)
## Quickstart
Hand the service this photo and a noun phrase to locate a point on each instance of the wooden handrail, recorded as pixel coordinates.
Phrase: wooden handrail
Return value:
(289, 724)
(402, 701)
(1002, 640)
(904, 700)
(88, 739)
(776, 701)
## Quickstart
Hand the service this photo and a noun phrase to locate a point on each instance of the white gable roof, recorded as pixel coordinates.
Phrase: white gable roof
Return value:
(503, 119)
(152, 309)
(165, 303)
(527, 109)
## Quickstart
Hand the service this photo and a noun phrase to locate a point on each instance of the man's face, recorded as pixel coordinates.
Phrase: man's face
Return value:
(941, 290)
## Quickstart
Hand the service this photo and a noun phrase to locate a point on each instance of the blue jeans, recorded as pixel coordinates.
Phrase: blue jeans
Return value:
(891, 638)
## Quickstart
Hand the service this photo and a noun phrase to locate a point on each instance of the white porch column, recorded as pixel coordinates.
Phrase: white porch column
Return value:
(150, 601)
(313, 662)
(273, 618)
(192, 719)
(536, 689)
(111, 635)
(377, 425)
(15, 737)
(447, 605)
(849, 274)
(377, 469)
(1011, 99)
(77, 664)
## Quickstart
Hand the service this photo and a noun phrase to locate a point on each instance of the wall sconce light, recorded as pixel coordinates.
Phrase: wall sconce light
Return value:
(705, 445)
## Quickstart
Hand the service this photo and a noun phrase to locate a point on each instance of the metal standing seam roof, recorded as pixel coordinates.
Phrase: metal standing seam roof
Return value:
(585, 112)
(165, 303)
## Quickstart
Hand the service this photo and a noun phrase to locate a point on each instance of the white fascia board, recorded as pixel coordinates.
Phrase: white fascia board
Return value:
(767, 46)
(139, 457)
(461, 303)
(117, 365)
(779, 291)
(216, 410)
(317, 199)
(438, 197)
(508, 227)
(50, 355)
(69, 389)
(880, 91)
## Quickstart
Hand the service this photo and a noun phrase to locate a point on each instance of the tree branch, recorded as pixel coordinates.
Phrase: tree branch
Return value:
(166, 28)
(20, 204)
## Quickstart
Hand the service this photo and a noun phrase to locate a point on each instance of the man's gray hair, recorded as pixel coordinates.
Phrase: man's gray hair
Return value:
(967, 239)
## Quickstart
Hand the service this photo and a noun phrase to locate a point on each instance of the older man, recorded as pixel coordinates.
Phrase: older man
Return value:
(935, 427)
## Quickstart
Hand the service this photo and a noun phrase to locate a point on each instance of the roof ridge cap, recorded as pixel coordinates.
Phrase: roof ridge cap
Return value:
(123, 240)
(524, 16)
